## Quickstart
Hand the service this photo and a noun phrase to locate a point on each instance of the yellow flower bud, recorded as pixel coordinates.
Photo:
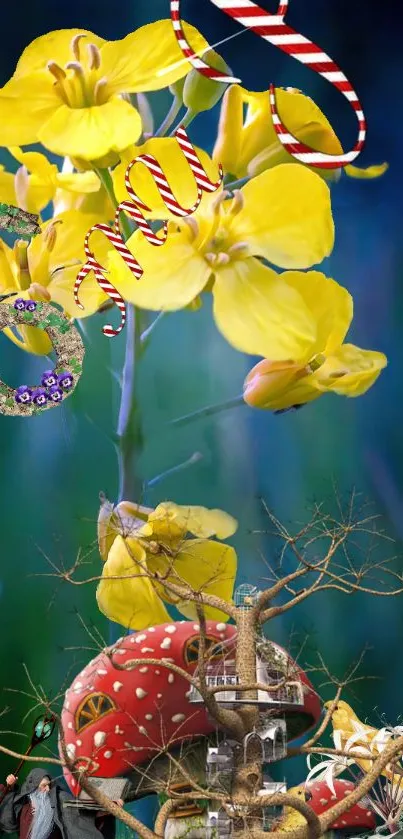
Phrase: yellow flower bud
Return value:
(201, 93)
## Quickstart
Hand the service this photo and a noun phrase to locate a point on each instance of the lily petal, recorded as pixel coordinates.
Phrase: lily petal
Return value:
(91, 132)
(26, 103)
(179, 174)
(259, 314)
(199, 521)
(172, 279)
(287, 217)
(54, 46)
(202, 565)
(148, 59)
(350, 371)
(331, 306)
(132, 602)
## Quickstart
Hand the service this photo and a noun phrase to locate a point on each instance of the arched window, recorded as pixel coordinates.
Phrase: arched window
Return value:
(92, 708)
(214, 649)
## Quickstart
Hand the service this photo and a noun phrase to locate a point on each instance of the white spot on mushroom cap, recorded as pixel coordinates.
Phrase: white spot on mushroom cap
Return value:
(166, 643)
(143, 669)
(149, 716)
(140, 638)
(221, 627)
(70, 725)
(170, 629)
(120, 652)
(118, 730)
(67, 704)
(108, 754)
(142, 730)
(178, 717)
(168, 660)
(196, 626)
(140, 693)
(157, 672)
(159, 695)
(151, 629)
(102, 672)
(323, 801)
(71, 751)
(171, 678)
(99, 738)
(117, 686)
(79, 742)
(147, 650)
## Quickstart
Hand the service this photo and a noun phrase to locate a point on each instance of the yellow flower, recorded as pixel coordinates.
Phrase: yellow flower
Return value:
(69, 90)
(167, 152)
(45, 269)
(329, 365)
(37, 180)
(146, 547)
(283, 215)
(247, 145)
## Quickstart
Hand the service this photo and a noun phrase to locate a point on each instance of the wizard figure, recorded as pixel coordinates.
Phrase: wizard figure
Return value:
(37, 810)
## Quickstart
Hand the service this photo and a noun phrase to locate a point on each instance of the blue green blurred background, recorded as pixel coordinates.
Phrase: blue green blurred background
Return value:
(54, 465)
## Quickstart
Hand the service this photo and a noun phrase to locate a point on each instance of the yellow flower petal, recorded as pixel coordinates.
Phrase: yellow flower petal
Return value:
(178, 172)
(208, 567)
(259, 314)
(174, 274)
(148, 59)
(296, 228)
(54, 46)
(249, 145)
(199, 521)
(36, 163)
(7, 189)
(133, 601)
(351, 371)
(367, 173)
(276, 385)
(330, 305)
(90, 132)
(26, 104)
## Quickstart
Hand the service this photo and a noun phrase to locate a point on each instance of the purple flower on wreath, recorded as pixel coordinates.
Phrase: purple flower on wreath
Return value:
(65, 380)
(30, 306)
(55, 393)
(19, 304)
(49, 378)
(23, 395)
(40, 397)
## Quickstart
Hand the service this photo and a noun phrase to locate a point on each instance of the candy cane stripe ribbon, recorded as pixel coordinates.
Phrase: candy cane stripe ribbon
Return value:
(271, 27)
(134, 209)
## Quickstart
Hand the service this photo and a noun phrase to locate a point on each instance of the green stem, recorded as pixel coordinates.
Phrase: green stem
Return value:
(130, 439)
(170, 118)
(185, 121)
(129, 436)
(208, 411)
(237, 184)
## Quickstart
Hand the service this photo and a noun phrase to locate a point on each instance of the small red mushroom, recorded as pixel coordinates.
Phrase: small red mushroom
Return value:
(358, 817)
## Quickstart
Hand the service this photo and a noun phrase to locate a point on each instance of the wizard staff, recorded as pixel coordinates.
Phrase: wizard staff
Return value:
(43, 729)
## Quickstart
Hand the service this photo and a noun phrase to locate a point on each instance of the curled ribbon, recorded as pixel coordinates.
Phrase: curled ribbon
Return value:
(134, 209)
(271, 28)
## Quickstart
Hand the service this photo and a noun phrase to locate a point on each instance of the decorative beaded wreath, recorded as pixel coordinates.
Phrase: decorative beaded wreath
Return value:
(57, 384)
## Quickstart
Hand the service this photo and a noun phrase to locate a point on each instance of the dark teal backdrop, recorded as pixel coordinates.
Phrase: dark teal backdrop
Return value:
(53, 466)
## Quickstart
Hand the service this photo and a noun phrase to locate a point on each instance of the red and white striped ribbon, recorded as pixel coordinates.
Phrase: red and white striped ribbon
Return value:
(271, 27)
(134, 209)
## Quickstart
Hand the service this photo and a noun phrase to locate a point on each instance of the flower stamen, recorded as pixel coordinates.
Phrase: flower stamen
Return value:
(79, 74)
(49, 236)
(75, 45)
(192, 224)
(237, 203)
(94, 57)
(99, 91)
(56, 71)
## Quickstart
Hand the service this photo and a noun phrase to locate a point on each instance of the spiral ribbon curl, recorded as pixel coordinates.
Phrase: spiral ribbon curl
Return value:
(271, 28)
(134, 209)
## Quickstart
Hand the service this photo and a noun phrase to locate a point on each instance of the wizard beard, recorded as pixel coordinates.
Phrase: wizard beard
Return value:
(42, 821)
